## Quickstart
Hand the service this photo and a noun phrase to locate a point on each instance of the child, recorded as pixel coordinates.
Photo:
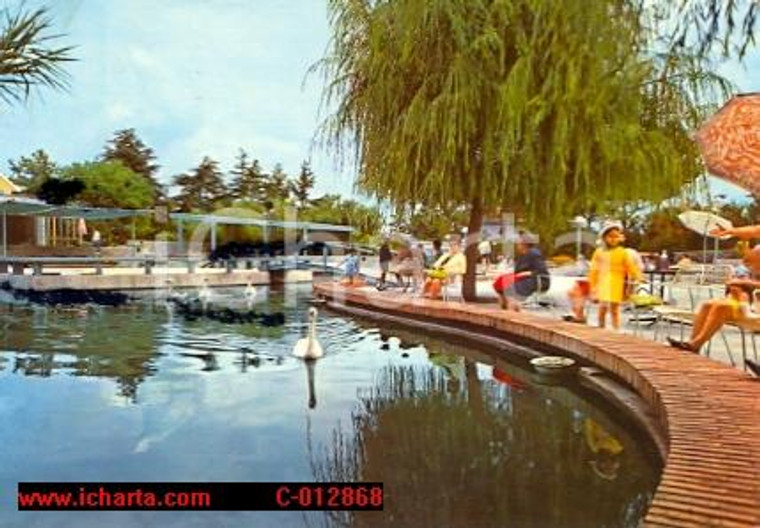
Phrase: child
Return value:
(611, 267)
(351, 276)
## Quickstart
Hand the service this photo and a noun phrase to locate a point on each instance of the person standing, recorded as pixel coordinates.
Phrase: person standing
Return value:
(484, 248)
(96, 240)
(437, 250)
(385, 258)
(612, 267)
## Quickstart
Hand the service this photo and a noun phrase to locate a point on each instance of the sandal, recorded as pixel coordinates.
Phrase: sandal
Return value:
(753, 367)
(570, 318)
(681, 345)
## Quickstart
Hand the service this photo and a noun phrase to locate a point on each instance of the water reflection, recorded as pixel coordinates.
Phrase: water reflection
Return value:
(124, 344)
(488, 453)
(458, 438)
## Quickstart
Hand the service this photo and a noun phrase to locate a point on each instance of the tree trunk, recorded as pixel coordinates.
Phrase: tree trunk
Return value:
(469, 289)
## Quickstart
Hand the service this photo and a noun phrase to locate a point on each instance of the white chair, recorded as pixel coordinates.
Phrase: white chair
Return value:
(452, 281)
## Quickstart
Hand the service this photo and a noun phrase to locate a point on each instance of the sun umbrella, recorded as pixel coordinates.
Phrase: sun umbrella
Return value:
(703, 222)
(730, 142)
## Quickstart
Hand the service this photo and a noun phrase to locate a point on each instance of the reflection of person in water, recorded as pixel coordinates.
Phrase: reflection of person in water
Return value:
(606, 449)
(453, 366)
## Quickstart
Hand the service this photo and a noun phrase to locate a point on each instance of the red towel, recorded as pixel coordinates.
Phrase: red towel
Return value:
(503, 282)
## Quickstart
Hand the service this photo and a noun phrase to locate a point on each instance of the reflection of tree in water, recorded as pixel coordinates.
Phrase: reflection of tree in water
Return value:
(113, 343)
(466, 459)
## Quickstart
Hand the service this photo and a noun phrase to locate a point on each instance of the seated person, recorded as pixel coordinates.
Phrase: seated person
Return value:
(713, 314)
(351, 274)
(530, 274)
(409, 264)
(449, 264)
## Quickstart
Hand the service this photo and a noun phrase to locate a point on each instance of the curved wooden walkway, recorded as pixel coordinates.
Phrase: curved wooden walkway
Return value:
(709, 412)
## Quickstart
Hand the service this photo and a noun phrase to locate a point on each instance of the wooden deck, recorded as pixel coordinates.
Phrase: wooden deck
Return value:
(708, 412)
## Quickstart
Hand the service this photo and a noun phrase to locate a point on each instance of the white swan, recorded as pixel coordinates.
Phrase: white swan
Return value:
(308, 347)
(204, 295)
(168, 305)
(250, 295)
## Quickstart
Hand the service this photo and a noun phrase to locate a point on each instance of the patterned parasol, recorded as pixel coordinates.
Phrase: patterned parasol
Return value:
(730, 142)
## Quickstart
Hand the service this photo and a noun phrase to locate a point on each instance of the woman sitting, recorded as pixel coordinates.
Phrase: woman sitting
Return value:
(409, 266)
(448, 265)
(735, 306)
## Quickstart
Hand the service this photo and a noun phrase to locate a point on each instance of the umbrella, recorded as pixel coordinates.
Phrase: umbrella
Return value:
(730, 142)
(703, 222)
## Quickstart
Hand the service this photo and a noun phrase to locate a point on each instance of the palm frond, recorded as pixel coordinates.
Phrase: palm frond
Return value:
(27, 60)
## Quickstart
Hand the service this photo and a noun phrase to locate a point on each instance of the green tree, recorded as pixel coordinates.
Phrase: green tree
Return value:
(202, 188)
(303, 185)
(127, 148)
(27, 60)
(332, 209)
(432, 222)
(32, 171)
(535, 106)
(110, 184)
(247, 179)
(276, 185)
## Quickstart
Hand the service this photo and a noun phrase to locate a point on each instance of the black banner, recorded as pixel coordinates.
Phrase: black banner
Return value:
(209, 496)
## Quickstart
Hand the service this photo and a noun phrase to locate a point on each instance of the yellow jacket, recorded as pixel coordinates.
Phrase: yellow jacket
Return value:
(610, 270)
(455, 264)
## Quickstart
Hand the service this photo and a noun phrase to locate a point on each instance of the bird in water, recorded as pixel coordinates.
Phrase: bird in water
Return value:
(204, 295)
(250, 295)
(309, 347)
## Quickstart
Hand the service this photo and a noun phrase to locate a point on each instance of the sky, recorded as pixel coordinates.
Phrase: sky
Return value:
(200, 78)
(194, 78)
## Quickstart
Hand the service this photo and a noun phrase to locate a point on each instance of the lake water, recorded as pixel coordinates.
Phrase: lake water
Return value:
(459, 439)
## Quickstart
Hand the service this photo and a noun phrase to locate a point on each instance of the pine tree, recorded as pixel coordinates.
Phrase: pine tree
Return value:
(276, 186)
(31, 172)
(202, 188)
(127, 148)
(248, 180)
(303, 185)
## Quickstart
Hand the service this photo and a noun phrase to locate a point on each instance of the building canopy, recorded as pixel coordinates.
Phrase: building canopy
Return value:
(32, 207)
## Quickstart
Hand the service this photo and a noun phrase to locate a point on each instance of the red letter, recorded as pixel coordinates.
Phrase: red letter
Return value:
(283, 497)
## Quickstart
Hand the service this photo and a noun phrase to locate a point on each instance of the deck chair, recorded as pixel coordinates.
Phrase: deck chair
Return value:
(681, 310)
(749, 325)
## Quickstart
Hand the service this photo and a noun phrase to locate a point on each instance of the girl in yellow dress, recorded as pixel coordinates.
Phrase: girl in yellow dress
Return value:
(612, 268)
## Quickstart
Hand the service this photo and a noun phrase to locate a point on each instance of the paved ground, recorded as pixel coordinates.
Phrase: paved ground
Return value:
(725, 347)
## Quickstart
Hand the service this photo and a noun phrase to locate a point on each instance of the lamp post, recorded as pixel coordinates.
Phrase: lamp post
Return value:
(579, 223)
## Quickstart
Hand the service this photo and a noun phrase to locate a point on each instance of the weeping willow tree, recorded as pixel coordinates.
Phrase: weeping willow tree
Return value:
(540, 107)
